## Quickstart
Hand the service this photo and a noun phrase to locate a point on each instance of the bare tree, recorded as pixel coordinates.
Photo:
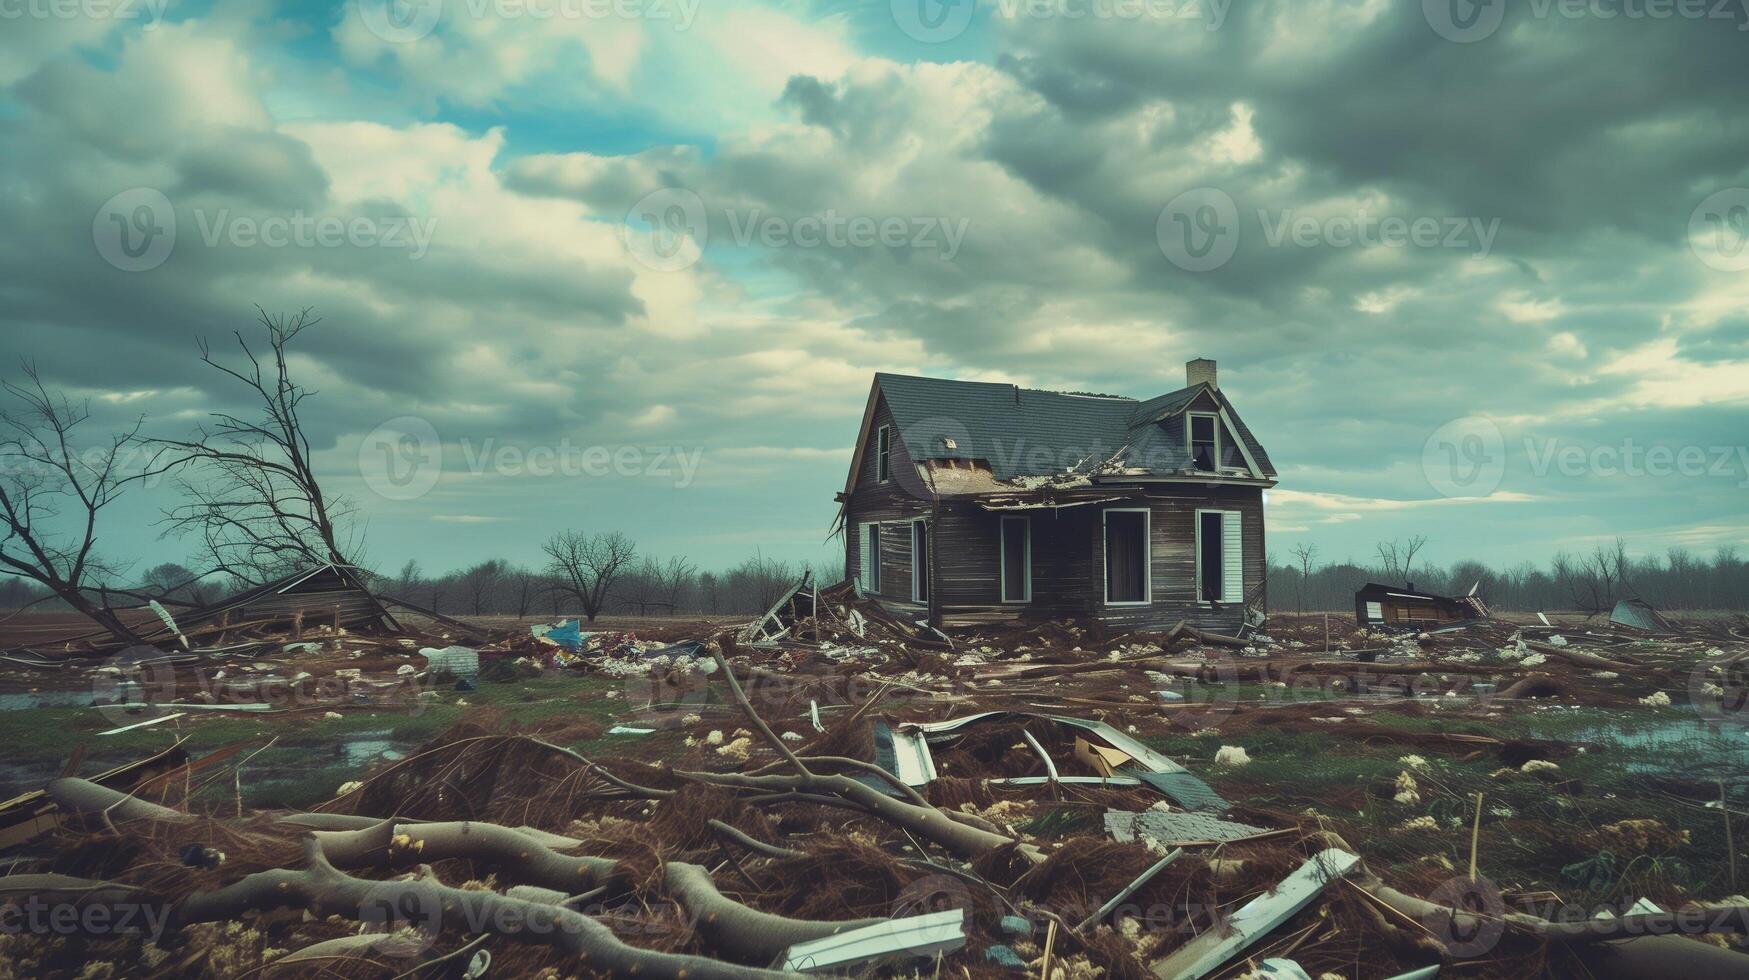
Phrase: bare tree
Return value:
(253, 499)
(1398, 557)
(171, 582)
(1306, 555)
(1410, 547)
(586, 565)
(479, 581)
(48, 482)
(526, 583)
(407, 578)
(673, 579)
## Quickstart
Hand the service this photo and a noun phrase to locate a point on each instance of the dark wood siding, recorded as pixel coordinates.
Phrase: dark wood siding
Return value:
(1172, 538)
(888, 504)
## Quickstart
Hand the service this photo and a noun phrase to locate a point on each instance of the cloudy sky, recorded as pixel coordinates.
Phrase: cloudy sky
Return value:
(1473, 271)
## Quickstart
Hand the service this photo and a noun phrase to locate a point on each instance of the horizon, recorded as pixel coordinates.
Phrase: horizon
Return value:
(675, 250)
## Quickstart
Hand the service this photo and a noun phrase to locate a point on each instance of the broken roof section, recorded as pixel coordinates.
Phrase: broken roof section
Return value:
(1640, 615)
(1025, 432)
(1388, 605)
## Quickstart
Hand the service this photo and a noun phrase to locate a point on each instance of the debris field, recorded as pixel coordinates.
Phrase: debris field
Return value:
(832, 789)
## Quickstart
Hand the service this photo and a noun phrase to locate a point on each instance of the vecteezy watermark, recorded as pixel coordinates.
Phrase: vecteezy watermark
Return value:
(1464, 21)
(939, 21)
(1465, 457)
(405, 21)
(1631, 459)
(402, 459)
(1718, 230)
(667, 230)
(933, 21)
(136, 230)
(1468, 21)
(1199, 230)
(149, 12)
(50, 465)
(33, 915)
(126, 690)
(300, 229)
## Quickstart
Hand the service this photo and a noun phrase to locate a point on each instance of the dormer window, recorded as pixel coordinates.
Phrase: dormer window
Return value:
(1205, 442)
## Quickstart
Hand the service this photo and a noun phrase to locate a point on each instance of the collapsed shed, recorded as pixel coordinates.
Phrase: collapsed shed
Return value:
(1389, 606)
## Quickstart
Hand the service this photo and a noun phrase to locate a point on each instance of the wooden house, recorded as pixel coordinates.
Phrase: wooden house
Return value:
(976, 501)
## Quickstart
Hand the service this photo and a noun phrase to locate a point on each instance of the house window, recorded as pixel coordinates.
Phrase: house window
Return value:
(920, 561)
(1205, 443)
(1220, 557)
(1127, 573)
(1016, 559)
(871, 558)
(883, 454)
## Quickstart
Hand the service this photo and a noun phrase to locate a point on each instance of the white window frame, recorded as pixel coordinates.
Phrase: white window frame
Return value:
(1238, 519)
(1002, 561)
(1147, 555)
(883, 454)
(919, 526)
(869, 557)
(1190, 446)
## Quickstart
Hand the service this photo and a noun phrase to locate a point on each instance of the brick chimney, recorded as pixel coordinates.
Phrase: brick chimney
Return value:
(1198, 371)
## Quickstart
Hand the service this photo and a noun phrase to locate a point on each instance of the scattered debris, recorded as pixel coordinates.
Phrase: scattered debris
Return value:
(832, 788)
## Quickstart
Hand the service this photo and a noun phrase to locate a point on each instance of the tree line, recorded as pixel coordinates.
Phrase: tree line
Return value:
(1588, 582)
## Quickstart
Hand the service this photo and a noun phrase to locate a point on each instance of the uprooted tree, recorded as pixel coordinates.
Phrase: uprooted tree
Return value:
(252, 498)
(585, 566)
(53, 490)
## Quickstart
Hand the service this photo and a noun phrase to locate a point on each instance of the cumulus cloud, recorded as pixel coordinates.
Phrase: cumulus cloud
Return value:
(861, 208)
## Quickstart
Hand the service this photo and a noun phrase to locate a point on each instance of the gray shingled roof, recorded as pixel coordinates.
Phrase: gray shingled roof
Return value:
(1027, 432)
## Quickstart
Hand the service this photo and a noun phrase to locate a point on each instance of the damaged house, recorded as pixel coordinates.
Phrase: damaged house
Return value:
(981, 502)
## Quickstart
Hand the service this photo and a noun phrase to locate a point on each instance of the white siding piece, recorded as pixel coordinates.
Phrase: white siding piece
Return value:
(913, 763)
(1256, 918)
(1232, 558)
(914, 936)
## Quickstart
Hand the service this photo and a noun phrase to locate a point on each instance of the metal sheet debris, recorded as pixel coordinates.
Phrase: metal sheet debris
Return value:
(914, 937)
(1256, 918)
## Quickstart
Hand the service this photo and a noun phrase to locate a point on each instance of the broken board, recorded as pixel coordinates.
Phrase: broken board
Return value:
(1256, 918)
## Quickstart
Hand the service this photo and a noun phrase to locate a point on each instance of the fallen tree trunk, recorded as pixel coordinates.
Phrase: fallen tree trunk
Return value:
(86, 798)
(742, 932)
(324, 890)
(1584, 659)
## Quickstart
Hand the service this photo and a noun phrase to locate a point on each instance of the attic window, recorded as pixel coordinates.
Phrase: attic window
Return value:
(883, 454)
(1205, 450)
